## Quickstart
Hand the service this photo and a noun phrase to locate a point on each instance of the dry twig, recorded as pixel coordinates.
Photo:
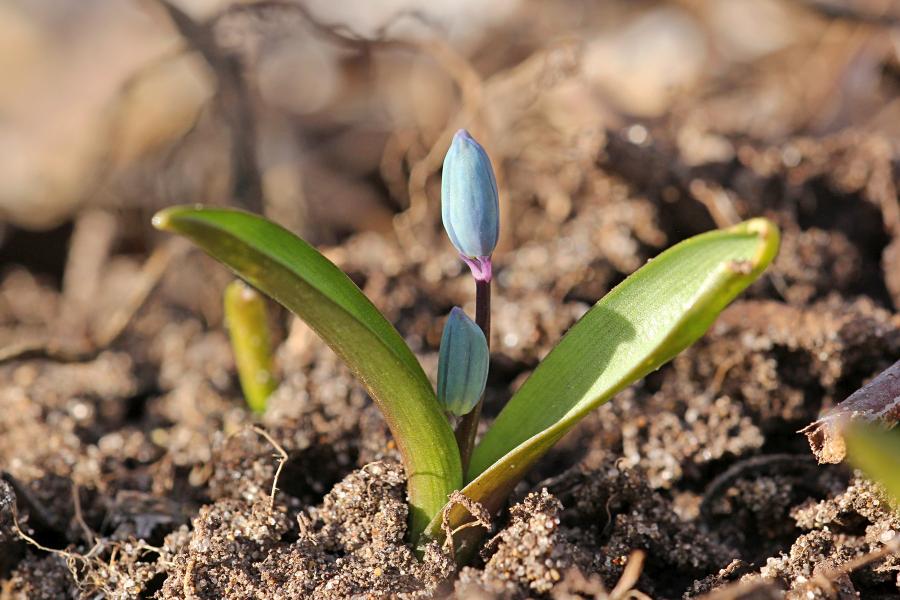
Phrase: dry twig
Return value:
(283, 456)
(876, 402)
(89, 535)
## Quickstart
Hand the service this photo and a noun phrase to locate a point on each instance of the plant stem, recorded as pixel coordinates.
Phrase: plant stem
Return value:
(468, 425)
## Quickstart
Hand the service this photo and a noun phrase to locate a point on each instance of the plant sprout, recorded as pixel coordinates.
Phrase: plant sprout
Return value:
(247, 322)
(640, 325)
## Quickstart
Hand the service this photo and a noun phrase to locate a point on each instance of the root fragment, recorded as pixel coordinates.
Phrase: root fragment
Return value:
(282, 458)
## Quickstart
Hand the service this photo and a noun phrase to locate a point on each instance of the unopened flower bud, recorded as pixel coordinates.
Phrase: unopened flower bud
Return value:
(462, 364)
(469, 203)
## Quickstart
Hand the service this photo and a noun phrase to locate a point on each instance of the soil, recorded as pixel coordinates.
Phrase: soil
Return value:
(132, 469)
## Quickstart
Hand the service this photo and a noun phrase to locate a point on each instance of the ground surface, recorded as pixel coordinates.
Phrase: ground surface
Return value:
(131, 465)
(138, 460)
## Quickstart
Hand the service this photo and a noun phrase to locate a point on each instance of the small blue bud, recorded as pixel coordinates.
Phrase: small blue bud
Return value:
(462, 364)
(469, 203)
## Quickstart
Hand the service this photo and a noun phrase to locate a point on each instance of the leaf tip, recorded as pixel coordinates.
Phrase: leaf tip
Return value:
(769, 237)
(167, 219)
(162, 219)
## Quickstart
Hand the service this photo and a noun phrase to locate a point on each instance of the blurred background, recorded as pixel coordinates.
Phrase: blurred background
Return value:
(333, 118)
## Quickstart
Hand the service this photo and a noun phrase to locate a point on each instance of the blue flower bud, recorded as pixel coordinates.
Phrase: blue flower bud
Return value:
(462, 364)
(469, 204)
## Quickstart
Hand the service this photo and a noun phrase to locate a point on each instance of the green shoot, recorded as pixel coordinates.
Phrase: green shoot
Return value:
(248, 327)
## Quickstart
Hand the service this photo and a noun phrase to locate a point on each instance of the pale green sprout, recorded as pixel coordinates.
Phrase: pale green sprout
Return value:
(247, 321)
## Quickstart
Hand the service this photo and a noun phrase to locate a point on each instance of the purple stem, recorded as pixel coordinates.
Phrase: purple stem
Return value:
(468, 425)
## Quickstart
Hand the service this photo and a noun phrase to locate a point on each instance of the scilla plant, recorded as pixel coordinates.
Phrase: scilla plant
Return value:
(641, 324)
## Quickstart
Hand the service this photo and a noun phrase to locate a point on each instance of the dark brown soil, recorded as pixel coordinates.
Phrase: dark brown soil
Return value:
(131, 468)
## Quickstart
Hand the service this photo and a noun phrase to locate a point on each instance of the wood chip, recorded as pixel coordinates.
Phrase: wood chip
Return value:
(876, 402)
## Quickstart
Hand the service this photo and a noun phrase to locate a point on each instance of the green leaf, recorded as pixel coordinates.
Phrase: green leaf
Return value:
(292, 272)
(641, 324)
(877, 452)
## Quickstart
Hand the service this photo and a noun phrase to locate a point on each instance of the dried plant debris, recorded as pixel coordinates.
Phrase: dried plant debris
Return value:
(876, 402)
(117, 569)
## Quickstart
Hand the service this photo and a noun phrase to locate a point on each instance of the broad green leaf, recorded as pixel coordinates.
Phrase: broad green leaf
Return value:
(641, 324)
(877, 452)
(292, 272)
